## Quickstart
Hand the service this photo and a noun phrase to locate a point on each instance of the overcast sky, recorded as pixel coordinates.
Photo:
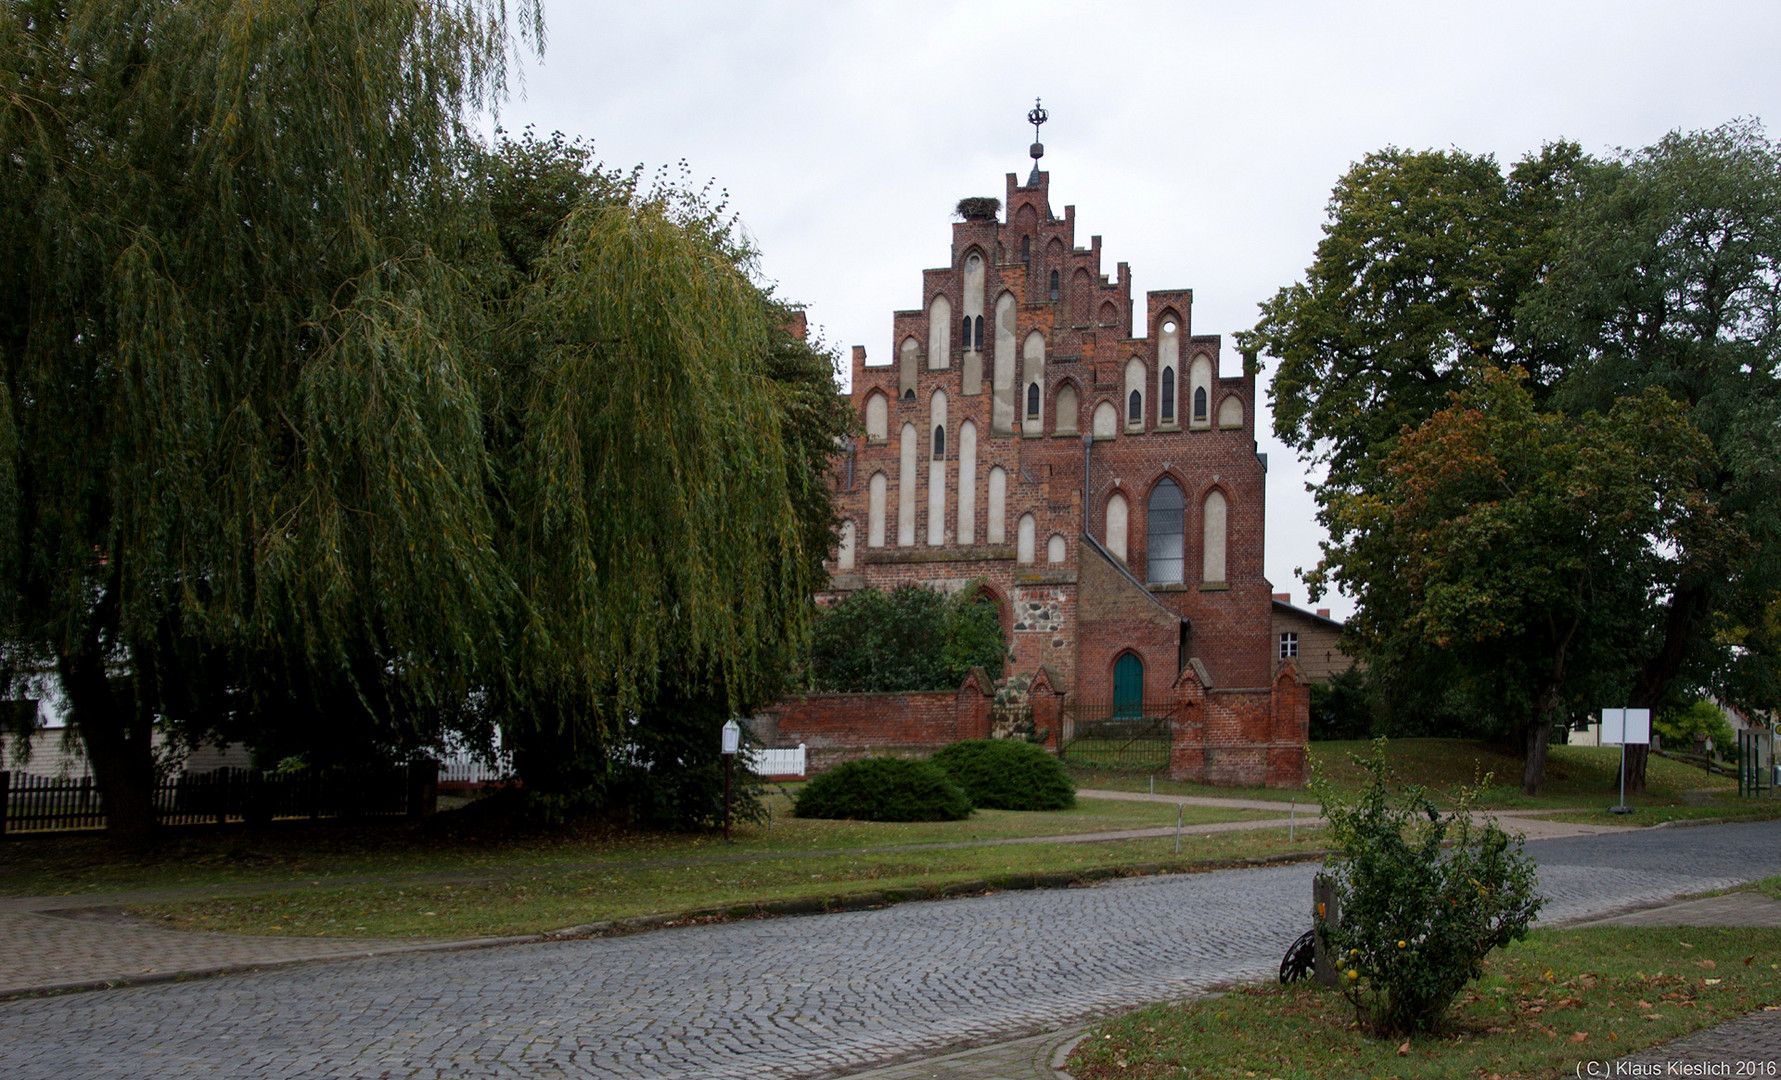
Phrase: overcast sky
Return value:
(1200, 140)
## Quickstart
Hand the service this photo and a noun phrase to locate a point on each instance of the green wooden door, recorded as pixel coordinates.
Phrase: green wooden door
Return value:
(1128, 686)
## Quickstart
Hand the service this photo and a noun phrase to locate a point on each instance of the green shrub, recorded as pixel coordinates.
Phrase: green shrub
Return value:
(1681, 727)
(1342, 707)
(1008, 774)
(910, 638)
(1414, 921)
(884, 789)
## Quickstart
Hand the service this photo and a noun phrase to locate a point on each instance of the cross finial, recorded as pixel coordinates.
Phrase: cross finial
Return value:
(1036, 116)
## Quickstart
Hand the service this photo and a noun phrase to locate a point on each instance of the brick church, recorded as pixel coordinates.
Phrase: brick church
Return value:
(1095, 476)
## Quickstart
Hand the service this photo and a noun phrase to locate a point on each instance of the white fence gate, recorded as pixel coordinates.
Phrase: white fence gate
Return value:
(777, 762)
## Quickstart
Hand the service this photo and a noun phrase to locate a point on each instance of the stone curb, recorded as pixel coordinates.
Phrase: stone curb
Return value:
(1061, 1055)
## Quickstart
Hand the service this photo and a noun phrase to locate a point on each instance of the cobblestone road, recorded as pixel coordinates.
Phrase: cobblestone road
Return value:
(778, 998)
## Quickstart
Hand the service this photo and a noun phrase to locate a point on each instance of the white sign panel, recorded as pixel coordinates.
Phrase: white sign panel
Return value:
(1626, 726)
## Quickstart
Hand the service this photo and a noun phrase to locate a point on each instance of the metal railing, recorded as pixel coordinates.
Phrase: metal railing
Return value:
(1125, 735)
(50, 804)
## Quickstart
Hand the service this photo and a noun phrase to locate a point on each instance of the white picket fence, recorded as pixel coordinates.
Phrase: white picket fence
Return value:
(777, 762)
(471, 770)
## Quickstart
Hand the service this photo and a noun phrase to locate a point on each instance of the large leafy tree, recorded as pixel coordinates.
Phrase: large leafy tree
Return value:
(325, 425)
(1670, 277)
(667, 437)
(240, 415)
(1522, 546)
(664, 540)
(1424, 262)
(1602, 281)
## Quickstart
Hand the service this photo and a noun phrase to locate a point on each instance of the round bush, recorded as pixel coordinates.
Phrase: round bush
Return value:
(1008, 774)
(884, 789)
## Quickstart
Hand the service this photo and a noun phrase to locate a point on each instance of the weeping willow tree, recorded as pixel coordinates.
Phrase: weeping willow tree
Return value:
(287, 449)
(241, 440)
(665, 536)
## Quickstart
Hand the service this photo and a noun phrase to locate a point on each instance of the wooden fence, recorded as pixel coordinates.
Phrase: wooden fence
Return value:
(44, 804)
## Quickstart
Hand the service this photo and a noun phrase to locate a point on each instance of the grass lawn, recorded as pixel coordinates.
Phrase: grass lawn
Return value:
(447, 878)
(298, 851)
(1560, 998)
(1575, 775)
(1722, 809)
(1129, 780)
(549, 898)
(1583, 777)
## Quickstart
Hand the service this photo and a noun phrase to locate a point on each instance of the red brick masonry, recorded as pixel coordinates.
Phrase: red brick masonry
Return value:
(840, 727)
(1232, 737)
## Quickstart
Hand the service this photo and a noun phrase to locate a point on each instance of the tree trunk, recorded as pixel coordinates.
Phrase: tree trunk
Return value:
(119, 744)
(1539, 733)
(1533, 773)
(1686, 614)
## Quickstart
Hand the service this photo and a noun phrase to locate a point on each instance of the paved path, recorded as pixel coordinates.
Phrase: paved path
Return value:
(1752, 1041)
(1532, 824)
(1732, 909)
(86, 947)
(82, 941)
(792, 997)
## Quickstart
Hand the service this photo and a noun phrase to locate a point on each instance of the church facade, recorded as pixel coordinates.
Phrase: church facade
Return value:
(1089, 469)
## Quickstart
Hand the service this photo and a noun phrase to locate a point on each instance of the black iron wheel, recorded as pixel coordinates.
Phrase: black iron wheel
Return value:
(1300, 959)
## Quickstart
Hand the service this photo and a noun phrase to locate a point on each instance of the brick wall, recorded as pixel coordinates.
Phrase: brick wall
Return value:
(1117, 616)
(1242, 736)
(840, 727)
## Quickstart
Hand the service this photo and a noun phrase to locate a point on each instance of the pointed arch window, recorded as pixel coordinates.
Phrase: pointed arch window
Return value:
(1164, 527)
(1026, 250)
(1033, 400)
(1065, 406)
(939, 442)
(1213, 516)
(1199, 404)
(875, 507)
(1026, 540)
(1118, 521)
(1168, 402)
(877, 418)
(1135, 408)
(977, 335)
(1054, 284)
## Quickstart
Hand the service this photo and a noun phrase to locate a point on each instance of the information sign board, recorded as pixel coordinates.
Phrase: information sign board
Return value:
(1626, 726)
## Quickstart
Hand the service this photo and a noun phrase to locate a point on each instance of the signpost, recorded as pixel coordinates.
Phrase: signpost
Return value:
(732, 743)
(1625, 726)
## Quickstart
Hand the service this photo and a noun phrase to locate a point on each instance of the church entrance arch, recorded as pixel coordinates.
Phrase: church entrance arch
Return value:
(1128, 686)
